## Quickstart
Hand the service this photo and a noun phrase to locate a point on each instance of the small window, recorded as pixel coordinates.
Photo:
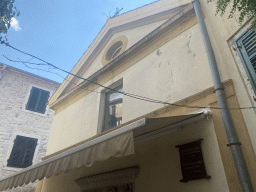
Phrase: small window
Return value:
(38, 99)
(113, 108)
(114, 50)
(246, 45)
(22, 152)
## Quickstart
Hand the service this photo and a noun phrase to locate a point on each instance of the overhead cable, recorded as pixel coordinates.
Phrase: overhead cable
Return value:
(121, 92)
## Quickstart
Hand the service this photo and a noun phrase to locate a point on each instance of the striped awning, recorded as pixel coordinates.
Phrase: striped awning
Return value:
(116, 143)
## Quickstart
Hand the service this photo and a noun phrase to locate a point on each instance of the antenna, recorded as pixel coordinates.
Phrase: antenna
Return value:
(117, 11)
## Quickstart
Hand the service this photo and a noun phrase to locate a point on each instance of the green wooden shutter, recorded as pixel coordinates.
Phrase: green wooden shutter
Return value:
(33, 98)
(38, 99)
(22, 152)
(42, 101)
(17, 151)
(29, 151)
(246, 46)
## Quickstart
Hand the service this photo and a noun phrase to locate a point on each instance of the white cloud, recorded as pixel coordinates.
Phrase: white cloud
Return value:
(15, 24)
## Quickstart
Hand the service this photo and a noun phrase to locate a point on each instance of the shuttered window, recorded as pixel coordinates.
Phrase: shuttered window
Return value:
(22, 152)
(246, 46)
(38, 99)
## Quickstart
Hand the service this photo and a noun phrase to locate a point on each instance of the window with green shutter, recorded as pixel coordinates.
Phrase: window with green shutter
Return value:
(38, 99)
(246, 47)
(22, 152)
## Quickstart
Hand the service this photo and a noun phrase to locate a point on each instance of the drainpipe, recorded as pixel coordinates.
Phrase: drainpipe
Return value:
(219, 91)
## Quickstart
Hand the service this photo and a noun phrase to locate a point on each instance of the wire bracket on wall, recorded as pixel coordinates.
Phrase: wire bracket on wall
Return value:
(233, 144)
(207, 114)
(221, 88)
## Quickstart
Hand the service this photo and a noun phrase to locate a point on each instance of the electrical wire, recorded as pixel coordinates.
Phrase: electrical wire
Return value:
(23, 62)
(54, 67)
(124, 93)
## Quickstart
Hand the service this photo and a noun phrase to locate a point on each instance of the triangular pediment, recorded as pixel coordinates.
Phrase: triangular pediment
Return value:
(134, 26)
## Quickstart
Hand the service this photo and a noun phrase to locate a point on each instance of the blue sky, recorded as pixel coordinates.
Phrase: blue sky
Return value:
(58, 31)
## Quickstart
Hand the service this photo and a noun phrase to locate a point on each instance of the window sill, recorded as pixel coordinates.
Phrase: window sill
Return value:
(35, 113)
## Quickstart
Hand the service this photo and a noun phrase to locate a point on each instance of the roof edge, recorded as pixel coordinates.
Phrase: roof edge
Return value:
(28, 73)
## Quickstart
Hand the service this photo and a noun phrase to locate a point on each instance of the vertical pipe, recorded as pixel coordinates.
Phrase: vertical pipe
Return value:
(219, 91)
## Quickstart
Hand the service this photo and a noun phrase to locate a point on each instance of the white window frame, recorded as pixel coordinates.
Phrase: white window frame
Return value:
(27, 97)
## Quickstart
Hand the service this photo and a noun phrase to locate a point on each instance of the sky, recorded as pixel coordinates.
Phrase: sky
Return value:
(58, 31)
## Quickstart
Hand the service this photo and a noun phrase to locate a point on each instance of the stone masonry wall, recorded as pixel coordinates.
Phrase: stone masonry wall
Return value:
(16, 120)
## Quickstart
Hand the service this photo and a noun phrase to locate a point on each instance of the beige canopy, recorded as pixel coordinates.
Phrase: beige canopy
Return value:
(116, 143)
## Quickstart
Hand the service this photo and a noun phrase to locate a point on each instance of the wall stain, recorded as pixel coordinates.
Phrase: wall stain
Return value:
(189, 50)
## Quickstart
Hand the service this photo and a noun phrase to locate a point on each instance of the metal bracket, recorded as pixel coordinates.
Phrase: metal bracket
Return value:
(207, 114)
(233, 144)
(239, 45)
(221, 88)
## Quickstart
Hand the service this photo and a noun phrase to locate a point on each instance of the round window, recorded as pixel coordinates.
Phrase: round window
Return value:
(113, 50)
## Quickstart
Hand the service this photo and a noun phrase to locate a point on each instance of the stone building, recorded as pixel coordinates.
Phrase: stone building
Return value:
(25, 119)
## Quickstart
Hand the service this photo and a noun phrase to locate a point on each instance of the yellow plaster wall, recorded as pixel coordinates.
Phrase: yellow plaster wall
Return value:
(240, 128)
(243, 138)
(161, 172)
(179, 71)
(218, 152)
(159, 164)
(74, 124)
(169, 76)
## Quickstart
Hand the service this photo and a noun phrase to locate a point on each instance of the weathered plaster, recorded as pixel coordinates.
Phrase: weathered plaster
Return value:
(133, 36)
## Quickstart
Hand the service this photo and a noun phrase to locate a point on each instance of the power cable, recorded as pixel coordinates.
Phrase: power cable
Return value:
(23, 62)
(54, 67)
(124, 93)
